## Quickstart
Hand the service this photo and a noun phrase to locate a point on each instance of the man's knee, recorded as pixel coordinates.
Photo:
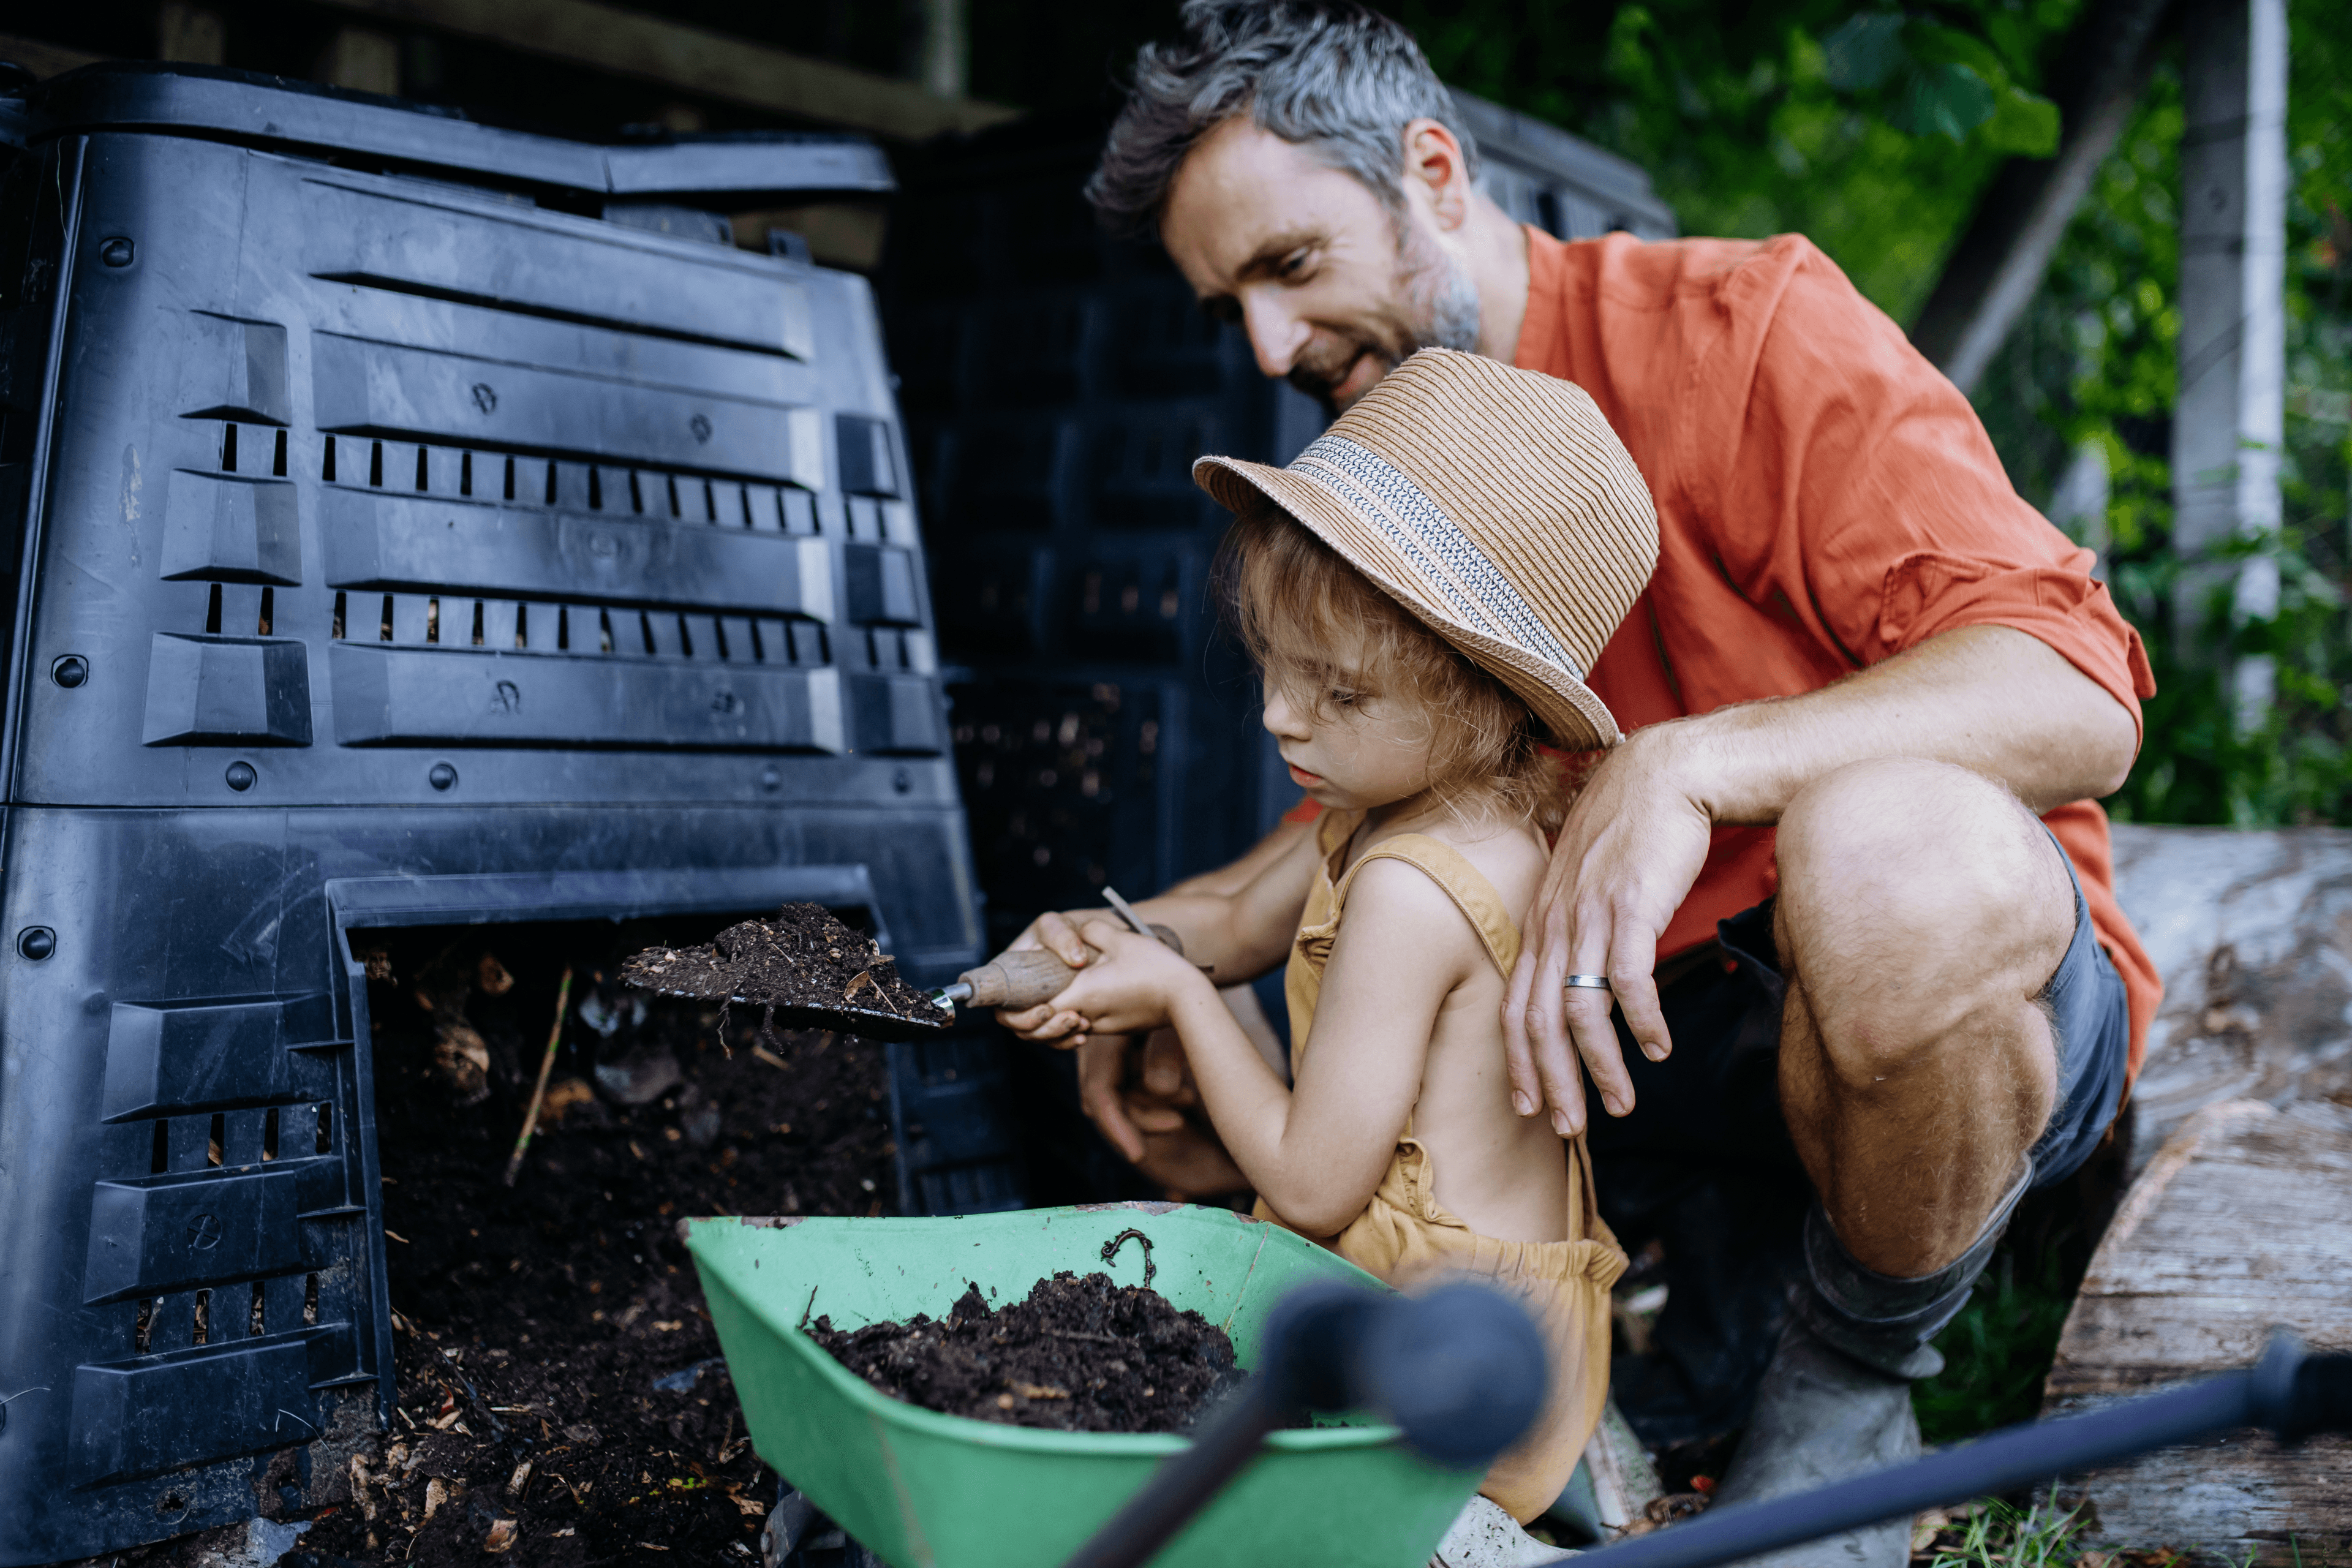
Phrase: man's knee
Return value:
(1914, 898)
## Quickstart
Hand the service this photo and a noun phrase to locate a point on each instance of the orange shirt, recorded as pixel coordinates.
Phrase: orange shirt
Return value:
(1826, 498)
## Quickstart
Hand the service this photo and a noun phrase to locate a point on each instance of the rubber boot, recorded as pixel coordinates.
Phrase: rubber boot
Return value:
(1836, 1401)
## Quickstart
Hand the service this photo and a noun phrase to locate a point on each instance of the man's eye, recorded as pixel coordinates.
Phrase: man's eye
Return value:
(1293, 267)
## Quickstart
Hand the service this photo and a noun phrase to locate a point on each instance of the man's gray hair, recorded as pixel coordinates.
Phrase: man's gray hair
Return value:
(1330, 76)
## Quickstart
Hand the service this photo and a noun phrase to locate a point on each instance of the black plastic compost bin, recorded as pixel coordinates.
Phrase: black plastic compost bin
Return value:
(413, 523)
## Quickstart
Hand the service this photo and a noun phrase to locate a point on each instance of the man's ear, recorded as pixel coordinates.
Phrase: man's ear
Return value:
(1436, 171)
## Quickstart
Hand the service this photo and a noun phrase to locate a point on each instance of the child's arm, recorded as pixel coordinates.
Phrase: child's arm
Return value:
(1317, 1152)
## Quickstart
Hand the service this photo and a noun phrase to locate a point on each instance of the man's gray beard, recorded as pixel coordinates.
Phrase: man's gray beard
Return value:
(1448, 298)
(1453, 307)
(1438, 293)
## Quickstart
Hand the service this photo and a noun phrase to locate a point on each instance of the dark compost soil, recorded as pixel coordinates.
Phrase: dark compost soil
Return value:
(799, 957)
(559, 1388)
(1080, 1355)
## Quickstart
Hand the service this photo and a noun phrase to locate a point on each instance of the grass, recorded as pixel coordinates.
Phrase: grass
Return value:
(2042, 1535)
(1994, 1534)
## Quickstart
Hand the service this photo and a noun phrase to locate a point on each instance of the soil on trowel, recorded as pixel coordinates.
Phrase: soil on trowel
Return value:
(1080, 1355)
(799, 957)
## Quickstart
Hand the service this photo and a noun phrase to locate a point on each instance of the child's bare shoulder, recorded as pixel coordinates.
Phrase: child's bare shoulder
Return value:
(1510, 855)
(1397, 914)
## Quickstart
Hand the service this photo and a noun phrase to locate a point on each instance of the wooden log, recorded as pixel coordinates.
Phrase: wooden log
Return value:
(2253, 934)
(2241, 1222)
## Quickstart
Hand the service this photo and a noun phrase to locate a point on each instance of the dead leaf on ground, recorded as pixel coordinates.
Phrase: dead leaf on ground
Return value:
(1929, 1525)
(502, 1535)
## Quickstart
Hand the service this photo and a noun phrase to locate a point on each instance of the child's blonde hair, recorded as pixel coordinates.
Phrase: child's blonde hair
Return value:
(1293, 600)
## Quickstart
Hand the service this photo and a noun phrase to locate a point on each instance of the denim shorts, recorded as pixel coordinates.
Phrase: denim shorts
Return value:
(1720, 1089)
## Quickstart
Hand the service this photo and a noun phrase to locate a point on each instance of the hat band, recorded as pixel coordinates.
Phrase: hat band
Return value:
(1417, 528)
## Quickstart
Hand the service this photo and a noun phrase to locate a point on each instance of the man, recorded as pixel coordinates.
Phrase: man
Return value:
(1811, 879)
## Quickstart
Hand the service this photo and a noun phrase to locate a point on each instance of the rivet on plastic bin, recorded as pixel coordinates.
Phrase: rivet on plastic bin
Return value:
(443, 776)
(37, 942)
(772, 779)
(240, 776)
(115, 251)
(902, 780)
(70, 670)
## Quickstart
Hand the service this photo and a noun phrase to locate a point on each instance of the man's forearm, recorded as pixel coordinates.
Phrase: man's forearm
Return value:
(1988, 699)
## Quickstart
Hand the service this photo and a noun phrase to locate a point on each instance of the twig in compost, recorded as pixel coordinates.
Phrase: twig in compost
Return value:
(546, 1065)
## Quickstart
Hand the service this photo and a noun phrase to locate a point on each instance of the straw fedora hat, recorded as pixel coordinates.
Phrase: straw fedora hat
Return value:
(1496, 504)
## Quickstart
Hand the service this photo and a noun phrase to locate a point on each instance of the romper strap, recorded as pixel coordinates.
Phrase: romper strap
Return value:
(1463, 883)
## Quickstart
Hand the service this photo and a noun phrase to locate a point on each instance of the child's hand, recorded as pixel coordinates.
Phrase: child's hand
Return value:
(1131, 988)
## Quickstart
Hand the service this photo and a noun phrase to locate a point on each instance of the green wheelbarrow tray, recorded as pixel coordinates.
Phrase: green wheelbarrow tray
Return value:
(921, 1489)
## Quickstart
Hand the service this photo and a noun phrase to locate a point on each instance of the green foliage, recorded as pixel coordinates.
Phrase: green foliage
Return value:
(1937, 80)
(1752, 123)
(2093, 361)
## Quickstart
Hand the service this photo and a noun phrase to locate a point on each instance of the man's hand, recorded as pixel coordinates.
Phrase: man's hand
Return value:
(1130, 1115)
(1057, 934)
(1632, 844)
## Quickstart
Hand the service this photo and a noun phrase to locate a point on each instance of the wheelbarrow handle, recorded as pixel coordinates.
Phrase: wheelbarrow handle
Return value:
(2292, 1394)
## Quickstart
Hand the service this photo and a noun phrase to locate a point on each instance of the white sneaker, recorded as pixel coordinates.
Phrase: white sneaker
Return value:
(1487, 1537)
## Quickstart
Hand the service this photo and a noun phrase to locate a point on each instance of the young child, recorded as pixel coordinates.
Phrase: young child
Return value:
(1421, 591)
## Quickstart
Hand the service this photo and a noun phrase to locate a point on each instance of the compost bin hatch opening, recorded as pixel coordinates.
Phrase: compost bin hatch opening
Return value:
(562, 1315)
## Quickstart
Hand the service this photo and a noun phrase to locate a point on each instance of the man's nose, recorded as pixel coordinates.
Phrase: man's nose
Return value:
(1275, 335)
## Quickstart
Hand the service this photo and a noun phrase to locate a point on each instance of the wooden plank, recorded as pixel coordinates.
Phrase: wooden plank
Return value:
(2242, 1223)
(696, 61)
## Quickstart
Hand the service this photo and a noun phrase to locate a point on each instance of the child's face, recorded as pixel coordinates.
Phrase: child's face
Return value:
(1349, 751)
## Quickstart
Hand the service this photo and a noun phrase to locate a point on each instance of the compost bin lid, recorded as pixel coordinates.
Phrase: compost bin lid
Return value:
(282, 114)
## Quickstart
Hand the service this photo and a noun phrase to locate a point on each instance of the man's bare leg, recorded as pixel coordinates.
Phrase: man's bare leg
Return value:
(1922, 913)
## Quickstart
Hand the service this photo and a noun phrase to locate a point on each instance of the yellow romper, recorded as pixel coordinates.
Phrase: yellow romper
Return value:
(1404, 1237)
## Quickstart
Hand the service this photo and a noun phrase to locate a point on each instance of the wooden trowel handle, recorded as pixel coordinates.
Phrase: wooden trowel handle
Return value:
(1025, 976)
(1018, 979)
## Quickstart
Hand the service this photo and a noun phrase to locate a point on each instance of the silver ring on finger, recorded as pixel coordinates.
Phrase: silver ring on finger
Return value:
(1586, 983)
